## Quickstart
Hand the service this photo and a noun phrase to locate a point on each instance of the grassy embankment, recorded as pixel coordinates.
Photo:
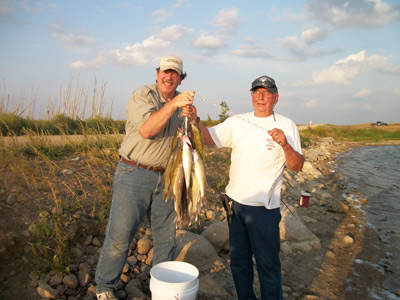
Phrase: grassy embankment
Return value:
(37, 173)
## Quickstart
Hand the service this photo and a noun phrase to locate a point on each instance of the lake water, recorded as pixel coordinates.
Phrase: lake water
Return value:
(375, 173)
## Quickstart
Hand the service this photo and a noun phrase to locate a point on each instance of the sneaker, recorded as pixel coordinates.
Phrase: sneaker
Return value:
(106, 296)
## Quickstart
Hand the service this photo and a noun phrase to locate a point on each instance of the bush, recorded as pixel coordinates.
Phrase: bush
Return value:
(66, 125)
(11, 124)
(100, 125)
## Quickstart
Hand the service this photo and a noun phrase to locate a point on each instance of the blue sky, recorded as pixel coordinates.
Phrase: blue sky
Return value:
(334, 61)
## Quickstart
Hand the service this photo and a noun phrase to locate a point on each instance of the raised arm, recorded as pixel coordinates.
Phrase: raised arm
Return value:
(294, 160)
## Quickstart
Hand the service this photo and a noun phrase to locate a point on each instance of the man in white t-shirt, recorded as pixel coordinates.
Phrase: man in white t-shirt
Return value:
(262, 143)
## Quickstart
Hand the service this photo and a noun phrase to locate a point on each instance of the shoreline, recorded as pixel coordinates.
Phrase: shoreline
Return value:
(365, 257)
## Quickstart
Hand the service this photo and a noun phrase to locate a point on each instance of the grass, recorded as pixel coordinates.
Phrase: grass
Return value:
(356, 133)
(38, 170)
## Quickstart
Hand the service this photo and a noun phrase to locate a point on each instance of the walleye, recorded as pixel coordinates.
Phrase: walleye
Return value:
(184, 175)
(198, 185)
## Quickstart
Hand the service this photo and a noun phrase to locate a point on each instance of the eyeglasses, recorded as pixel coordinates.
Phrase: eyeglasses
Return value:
(264, 94)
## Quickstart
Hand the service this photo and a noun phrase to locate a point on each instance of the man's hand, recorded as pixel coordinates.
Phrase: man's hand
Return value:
(183, 99)
(278, 136)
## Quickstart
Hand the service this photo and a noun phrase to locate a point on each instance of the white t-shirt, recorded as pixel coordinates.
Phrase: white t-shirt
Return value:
(257, 162)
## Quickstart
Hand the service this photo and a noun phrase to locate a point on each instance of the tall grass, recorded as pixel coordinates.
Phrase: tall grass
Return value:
(73, 101)
(36, 171)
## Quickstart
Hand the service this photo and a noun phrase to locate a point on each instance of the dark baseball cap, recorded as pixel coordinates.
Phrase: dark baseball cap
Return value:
(265, 82)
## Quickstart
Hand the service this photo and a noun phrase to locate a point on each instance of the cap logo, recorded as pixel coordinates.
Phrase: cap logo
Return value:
(173, 61)
(264, 79)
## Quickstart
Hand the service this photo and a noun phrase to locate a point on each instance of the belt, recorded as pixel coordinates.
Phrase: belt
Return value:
(141, 166)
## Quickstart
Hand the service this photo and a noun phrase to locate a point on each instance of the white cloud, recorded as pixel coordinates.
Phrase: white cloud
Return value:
(228, 20)
(174, 33)
(312, 35)
(251, 48)
(344, 70)
(355, 13)
(161, 15)
(362, 93)
(208, 42)
(290, 42)
(180, 3)
(98, 63)
(74, 41)
(138, 53)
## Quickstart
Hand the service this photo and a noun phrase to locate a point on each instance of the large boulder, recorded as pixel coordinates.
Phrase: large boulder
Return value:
(293, 230)
(218, 235)
(196, 250)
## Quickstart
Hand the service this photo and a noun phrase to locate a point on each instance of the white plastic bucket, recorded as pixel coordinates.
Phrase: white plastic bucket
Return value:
(174, 280)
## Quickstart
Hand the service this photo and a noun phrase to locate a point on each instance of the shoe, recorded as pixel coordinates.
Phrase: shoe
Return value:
(106, 296)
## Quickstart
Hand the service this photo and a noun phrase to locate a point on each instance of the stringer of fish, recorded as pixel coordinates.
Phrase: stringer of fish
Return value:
(184, 175)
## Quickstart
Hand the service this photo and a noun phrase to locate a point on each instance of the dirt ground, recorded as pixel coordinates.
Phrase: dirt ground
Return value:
(331, 272)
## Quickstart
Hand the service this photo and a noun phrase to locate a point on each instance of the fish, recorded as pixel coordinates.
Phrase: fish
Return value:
(174, 162)
(167, 173)
(187, 159)
(197, 138)
(198, 185)
(184, 176)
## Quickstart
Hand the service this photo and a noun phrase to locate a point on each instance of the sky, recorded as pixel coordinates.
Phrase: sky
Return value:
(334, 61)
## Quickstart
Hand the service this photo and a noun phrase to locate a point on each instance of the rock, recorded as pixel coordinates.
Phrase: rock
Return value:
(218, 235)
(11, 200)
(311, 297)
(67, 172)
(83, 278)
(309, 169)
(339, 207)
(363, 200)
(286, 248)
(348, 239)
(132, 260)
(135, 282)
(197, 250)
(322, 196)
(309, 219)
(45, 291)
(58, 210)
(210, 214)
(96, 242)
(330, 254)
(88, 240)
(149, 259)
(70, 231)
(76, 252)
(135, 291)
(293, 230)
(208, 286)
(144, 245)
(70, 281)
(121, 294)
(56, 279)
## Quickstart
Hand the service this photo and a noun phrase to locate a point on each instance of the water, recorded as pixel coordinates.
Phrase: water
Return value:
(375, 173)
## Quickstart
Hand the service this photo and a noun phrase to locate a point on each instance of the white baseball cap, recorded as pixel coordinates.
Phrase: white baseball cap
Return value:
(171, 62)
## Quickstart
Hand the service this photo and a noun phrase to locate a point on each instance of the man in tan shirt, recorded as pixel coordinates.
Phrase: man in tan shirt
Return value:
(153, 113)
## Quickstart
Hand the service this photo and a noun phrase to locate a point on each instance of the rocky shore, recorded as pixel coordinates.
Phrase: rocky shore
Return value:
(322, 245)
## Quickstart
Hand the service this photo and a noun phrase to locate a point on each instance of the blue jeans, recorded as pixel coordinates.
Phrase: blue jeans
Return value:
(254, 230)
(136, 192)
